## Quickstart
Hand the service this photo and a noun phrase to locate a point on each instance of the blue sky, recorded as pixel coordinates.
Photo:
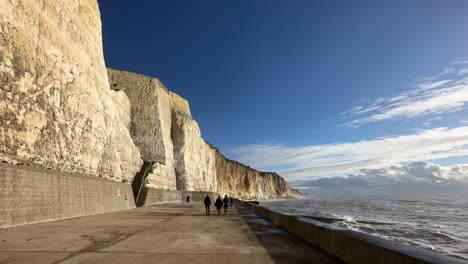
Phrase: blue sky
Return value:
(311, 89)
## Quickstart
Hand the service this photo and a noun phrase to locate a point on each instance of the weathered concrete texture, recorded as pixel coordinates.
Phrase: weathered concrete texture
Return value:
(239, 180)
(351, 246)
(149, 122)
(55, 101)
(161, 234)
(30, 195)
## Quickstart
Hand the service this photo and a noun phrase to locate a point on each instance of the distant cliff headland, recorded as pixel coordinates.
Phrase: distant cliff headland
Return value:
(60, 108)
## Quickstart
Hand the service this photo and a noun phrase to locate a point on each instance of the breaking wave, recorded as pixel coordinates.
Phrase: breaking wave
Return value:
(438, 224)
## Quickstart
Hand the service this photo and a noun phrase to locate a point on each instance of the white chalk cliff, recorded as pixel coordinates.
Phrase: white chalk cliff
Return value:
(60, 108)
(56, 107)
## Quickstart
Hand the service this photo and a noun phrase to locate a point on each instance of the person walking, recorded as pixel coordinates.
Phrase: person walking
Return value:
(219, 204)
(207, 203)
(225, 204)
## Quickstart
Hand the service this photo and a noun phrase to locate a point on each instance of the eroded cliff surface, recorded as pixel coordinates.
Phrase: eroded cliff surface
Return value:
(163, 129)
(61, 109)
(240, 180)
(55, 103)
(149, 122)
(195, 163)
(183, 160)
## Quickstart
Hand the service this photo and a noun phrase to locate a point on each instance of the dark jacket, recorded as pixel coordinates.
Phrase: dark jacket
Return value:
(226, 202)
(207, 201)
(219, 203)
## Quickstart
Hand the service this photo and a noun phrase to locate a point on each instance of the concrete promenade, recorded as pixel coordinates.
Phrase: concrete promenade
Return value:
(169, 233)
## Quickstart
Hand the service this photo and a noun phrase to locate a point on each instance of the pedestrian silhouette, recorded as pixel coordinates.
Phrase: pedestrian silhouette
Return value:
(225, 204)
(207, 203)
(219, 204)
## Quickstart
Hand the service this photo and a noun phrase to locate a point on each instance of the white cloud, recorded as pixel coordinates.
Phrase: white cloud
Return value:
(318, 161)
(459, 171)
(430, 85)
(415, 175)
(460, 62)
(463, 71)
(431, 95)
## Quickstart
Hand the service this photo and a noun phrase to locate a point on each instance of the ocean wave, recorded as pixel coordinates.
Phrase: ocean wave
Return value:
(437, 225)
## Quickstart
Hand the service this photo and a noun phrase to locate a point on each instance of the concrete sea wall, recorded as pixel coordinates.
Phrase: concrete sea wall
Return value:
(155, 196)
(32, 195)
(351, 246)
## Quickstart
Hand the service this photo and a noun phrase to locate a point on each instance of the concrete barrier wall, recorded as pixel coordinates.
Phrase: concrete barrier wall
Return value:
(30, 195)
(155, 196)
(351, 246)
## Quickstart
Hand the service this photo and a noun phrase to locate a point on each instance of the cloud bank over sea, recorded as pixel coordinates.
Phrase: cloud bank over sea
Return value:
(430, 157)
(412, 178)
(312, 162)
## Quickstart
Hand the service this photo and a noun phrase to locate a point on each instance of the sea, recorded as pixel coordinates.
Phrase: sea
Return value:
(437, 224)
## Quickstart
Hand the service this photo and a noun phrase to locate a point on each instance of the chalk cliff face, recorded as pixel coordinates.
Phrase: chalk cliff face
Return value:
(173, 140)
(242, 181)
(149, 120)
(61, 109)
(56, 107)
(183, 160)
(194, 160)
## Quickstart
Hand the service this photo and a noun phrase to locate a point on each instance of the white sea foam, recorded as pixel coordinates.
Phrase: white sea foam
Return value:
(438, 224)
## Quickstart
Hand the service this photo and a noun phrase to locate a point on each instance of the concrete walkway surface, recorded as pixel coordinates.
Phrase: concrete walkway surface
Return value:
(169, 233)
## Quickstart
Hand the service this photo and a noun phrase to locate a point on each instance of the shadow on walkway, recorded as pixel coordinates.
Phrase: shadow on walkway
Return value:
(280, 245)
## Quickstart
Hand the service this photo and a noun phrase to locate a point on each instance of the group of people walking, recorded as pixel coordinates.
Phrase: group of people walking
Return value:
(219, 204)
